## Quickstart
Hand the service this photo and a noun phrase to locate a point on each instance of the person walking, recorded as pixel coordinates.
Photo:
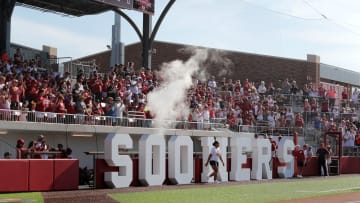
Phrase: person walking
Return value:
(322, 154)
(213, 159)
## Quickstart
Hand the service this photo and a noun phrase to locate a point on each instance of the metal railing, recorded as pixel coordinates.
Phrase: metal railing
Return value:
(81, 119)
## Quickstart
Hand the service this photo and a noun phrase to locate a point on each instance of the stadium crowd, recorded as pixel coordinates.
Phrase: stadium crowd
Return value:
(49, 97)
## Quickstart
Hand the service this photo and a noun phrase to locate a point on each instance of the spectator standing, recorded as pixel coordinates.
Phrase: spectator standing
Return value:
(289, 117)
(41, 146)
(262, 88)
(322, 91)
(18, 57)
(308, 154)
(60, 108)
(344, 96)
(213, 159)
(322, 154)
(212, 83)
(355, 98)
(299, 155)
(274, 147)
(286, 86)
(21, 151)
(109, 110)
(119, 109)
(15, 95)
(349, 141)
(332, 97)
(299, 121)
(294, 88)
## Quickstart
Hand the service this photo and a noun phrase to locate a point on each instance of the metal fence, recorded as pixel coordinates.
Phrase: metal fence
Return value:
(134, 119)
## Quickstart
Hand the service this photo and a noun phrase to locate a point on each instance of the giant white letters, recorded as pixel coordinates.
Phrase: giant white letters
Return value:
(285, 156)
(206, 143)
(112, 144)
(223, 149)
(239, 145)
(261, 156)
(152, 160)
(181, 165)
(180, 148)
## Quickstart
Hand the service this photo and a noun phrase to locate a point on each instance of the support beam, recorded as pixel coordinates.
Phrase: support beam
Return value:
(148, 36)
(130, 21)
(6, 9)
(161, 18)
(146, 44)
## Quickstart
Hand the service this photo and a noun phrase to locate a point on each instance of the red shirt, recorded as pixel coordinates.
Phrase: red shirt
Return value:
(15, 94)
(273, 145)
(321, 91)
(344, 95)
(299, 155)
(40, 105)
(21, 153)
(4, 57)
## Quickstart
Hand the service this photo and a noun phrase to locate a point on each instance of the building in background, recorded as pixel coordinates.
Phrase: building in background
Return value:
(239, 65)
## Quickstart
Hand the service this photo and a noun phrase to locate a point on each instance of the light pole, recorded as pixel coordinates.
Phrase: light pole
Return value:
(117, 47)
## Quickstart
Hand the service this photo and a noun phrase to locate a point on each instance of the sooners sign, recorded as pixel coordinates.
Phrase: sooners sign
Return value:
(180, 156)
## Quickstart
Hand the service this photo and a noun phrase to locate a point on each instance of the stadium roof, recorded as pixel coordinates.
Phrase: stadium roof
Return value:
(66, 7)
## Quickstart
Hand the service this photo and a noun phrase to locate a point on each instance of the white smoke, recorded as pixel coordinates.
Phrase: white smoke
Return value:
(168, 101)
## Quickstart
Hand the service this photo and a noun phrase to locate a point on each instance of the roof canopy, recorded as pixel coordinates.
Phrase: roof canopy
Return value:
(67, 7)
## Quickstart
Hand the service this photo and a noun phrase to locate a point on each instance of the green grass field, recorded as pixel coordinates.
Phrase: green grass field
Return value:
(34, 197)
(253, 192)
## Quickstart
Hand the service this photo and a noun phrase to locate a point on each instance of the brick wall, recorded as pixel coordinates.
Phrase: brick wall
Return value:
(239, 65)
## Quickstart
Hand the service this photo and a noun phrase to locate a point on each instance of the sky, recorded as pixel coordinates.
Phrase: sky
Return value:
(284, 28)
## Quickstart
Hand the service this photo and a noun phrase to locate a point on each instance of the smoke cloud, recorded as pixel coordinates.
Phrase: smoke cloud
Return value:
(167, 102)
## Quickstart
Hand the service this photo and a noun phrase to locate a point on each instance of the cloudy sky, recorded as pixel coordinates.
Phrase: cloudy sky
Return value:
(285, 28)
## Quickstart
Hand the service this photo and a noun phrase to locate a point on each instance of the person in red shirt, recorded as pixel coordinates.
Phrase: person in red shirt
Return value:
(274, 146)
(322, 91)
(332, 96)
(40, 106)
(15, 95)
(60, 108)
(21, 151)
(4, 57)
(299, 121)
(344, 97)
(299, 156)
(97, 89)
(314, 105)
(357, 138)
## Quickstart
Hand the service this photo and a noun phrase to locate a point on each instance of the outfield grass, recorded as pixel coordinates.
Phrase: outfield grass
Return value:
(253, 192)
(34, 197)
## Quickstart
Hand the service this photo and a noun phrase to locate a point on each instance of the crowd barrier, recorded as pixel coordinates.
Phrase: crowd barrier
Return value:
(132, 120)
(29, 175)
